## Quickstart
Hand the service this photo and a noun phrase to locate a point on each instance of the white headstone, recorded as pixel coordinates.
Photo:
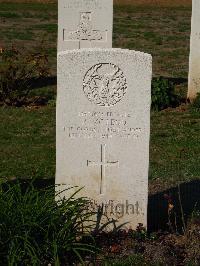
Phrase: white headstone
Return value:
(103, 127)
(194, 69)
(84, 24)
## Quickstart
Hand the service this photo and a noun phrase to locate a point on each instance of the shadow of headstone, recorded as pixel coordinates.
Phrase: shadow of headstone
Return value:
(158, 203)
(188, 199)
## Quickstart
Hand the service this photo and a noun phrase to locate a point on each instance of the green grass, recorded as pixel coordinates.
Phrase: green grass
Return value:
(18, 35)
(161, 32)
(133, 260)
(158, 31)
(50, 28)
(28, 135)
(27, 7)
(34, 230)
(175, 146)
(9, 15)
(27, 141)
(47, 92)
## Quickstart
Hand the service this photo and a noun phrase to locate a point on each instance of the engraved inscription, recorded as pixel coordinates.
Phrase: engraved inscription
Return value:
(84, 30)
(83, 4)
(103, 164)
(197, 34)
(117, 209)
(105, 84)
(103, 125)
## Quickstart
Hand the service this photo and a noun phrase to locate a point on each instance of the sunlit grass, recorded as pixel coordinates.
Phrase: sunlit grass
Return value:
(27, 141)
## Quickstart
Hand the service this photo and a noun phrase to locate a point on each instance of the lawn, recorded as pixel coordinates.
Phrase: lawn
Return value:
(163, 32)
(27, 141)
(34, 230)
(28, 134)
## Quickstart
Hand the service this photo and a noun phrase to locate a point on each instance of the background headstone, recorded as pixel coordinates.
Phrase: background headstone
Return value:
(84, 24)
(103, 127)
(194, 69)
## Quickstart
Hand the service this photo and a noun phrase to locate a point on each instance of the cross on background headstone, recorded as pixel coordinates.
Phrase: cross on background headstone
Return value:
(103, 164)
(84, 24)
(85, 35)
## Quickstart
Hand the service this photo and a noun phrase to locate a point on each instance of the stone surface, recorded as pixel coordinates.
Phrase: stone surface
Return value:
(84, 24)
(194, 69)
(103, 126)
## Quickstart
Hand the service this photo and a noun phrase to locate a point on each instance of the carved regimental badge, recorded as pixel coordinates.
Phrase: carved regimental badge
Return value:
(105, 84)
(85, 30)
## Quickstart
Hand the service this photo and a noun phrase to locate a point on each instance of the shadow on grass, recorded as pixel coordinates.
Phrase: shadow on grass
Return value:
(158, 203)
(158, 206)
(52, 80)
(43, 82)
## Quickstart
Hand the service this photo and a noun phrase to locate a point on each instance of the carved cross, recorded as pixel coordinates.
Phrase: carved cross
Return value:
(103, 164)
(84, 35)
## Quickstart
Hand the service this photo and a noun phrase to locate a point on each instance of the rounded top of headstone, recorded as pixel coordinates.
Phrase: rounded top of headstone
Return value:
(105, 51)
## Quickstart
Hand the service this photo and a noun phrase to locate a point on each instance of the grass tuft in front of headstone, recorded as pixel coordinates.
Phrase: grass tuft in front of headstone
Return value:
(34, 230)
